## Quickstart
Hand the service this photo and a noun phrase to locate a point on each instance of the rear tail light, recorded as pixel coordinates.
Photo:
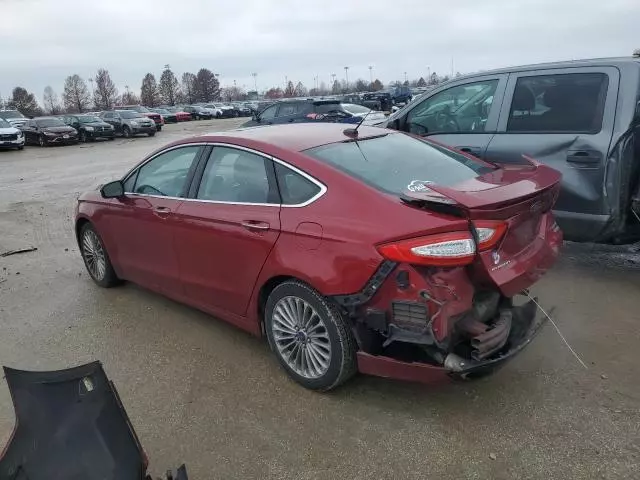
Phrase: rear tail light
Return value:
(446, 250)
(489, 233)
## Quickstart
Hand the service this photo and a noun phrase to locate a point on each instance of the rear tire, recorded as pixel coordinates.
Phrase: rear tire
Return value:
(96, 259)
(310, 337)
(21, 147)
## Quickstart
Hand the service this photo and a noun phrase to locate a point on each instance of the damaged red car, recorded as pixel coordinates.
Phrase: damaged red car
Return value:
(359, 249)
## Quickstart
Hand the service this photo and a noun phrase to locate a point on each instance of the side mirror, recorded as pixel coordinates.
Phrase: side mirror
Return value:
(113, 189)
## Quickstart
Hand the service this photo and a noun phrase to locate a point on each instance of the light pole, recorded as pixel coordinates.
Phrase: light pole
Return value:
(371, 74)
(93, 97)
(255, 81)
(333, 80)
(405, 77)
(346, 76)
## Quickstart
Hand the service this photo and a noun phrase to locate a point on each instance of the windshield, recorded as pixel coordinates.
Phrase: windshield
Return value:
(50, 122)
(162, 111)
(4, 123)
(89, 119)
(11, 114)
(355, 109)
(391, 162)
(130, 114)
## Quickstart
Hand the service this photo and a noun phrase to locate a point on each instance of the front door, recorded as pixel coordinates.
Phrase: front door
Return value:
(565, 119)
(463, 115)
(144, 220)
(227, 230)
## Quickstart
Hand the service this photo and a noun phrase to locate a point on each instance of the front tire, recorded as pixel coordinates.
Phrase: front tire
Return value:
(310, 337)
(126, 132)
(96, 259)
(83, 136)
(151, 134)
(43, 141)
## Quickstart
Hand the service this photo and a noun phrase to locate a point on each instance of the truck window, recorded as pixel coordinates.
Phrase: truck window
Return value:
(570, 103)
(460, 109)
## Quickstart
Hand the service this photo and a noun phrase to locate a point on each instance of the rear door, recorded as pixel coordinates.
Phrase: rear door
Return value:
(563, 118)
(227, 228)
(463, 115)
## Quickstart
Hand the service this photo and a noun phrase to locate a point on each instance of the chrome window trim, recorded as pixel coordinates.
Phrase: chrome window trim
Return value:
(318, 183)
(148, 159)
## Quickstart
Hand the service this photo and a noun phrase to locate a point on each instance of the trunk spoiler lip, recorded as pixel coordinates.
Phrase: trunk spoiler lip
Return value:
(459, 203)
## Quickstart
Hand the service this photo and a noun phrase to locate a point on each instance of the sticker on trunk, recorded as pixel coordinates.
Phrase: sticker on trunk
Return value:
(419, 186)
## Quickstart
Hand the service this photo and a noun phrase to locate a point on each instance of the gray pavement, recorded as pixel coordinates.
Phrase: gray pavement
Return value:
(202, 392)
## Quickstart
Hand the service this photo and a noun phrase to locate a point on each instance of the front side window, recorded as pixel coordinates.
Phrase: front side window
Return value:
(460, 109)
(236, 176)
(395, 162)
(571, 103)
(294, 188)
(269, 113)
(287, 109)
(165, 175)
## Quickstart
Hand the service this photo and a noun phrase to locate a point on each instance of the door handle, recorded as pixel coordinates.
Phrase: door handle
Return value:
(162, 211)
(475, 151)
(584, 158)
(255, 225)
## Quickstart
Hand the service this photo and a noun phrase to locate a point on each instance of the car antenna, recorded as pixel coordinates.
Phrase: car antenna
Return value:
(353, 132)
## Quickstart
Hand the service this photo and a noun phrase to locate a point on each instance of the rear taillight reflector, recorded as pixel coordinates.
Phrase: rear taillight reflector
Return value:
(489, 233)
(445, 249)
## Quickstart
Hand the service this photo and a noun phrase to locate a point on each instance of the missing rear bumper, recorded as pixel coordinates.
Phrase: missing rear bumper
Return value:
(525, 325)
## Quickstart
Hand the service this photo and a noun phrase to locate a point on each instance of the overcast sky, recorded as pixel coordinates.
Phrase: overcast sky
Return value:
(44, 41)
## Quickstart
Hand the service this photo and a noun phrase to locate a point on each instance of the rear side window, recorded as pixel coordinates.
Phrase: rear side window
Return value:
(294, 188)
(237, 176)
(571, 103)
(394, 163)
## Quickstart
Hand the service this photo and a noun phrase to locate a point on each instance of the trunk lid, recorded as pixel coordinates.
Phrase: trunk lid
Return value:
(521, 196)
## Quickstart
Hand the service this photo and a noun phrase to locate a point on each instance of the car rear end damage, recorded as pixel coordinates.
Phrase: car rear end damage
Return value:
(451, 304)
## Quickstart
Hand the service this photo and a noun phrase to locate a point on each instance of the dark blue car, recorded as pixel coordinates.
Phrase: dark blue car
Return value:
(305, 111)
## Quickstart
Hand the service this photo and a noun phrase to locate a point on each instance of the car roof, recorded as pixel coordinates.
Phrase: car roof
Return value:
(544, 66)
(298, 136)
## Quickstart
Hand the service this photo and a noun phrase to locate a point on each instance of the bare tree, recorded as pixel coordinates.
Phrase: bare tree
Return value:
(360, 85)
(169, 87)
(75, 96)
(301, 90)
(189, 87)
(290, 91)
(106, 93)
(377, 85)
(128, 98)
(207, 87)
(51, 102)
(24, 102)
(421, 82)
(149, 91)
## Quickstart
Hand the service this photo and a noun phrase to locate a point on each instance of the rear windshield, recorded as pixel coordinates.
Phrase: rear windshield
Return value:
(392, 162)
(130, 114)
(50, 122)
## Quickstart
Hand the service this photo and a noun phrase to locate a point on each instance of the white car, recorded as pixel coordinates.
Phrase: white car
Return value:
(14, 117)
(372, 116)
(10, 136)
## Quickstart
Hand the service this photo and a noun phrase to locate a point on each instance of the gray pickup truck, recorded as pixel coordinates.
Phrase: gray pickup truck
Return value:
(580, 117)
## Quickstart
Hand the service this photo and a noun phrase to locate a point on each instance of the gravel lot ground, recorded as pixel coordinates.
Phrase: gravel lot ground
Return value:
(200, 391)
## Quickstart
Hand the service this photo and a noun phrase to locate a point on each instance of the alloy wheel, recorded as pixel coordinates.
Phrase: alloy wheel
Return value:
(94, 255)
(301, 337)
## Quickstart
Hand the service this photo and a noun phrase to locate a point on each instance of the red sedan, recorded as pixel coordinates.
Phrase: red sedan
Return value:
(367, 250)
